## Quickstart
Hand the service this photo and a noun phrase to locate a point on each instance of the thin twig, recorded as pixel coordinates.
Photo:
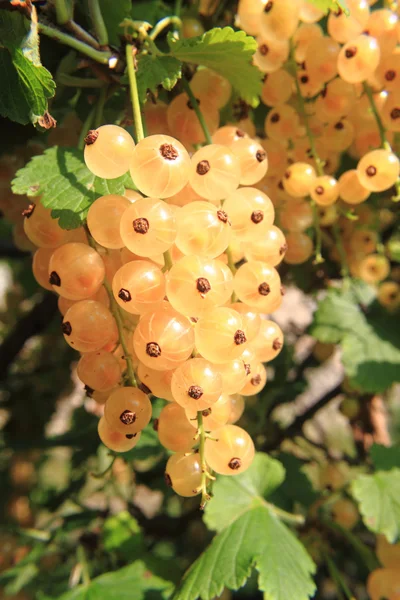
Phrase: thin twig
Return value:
(68, 40)
(98, 22)
(137, 115)
(197, 110)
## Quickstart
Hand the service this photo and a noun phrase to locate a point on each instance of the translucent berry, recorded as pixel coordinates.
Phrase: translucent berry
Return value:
(41, 229)
(215, 172)
(183, 474)
(258, 285)
(233, 375)
(269, 342)
(228, 134)
(139, 286)
(232, 453)
(158, 382)
(378, 170)
(148, 227)
(183, 122)
(350, 188)
(104, 218)
(250, 212)
(88, 326)
(214, 417)
(299, 179)
(271, 54)
(165, 156)
(208, 83)
(174, 430)
(282, 123)
(108, 151)
(40, 267)
(197, 384)
(277, 88)
(203, 230)
(280, 18)
(325, 190)
(237, 408)
(250, 317)
(220, 335)
(358, 59)
(76, 271)
(101, 371)
(128, 410)
(114, 440)
(271, 247)
(255, 381)
(253, 160)
(300, 248)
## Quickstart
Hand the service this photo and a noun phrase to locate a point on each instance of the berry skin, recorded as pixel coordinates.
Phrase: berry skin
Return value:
(250, 318)
(148, 227)
(104, 218)
(108, 151)
(282, 123)
(300, 248)
(183, 474)
(203, 230)
(99, 370)
(277, 88)
(345, 513)
(228, 134)
(345, 27)
(163, 339)
(196, 284)
(279, 19)
(378, 170)
(388, 554)
(214, 417)
(42, 230)
(269, 342)
(191, 28)
(232, 453)
(76, 271)
(88, 326)
(174, 430)
(271, 248)
(196, 385)
(208, 83)
(389, 295)
(258, 285)
(128, 410)
(183, 122)
(40, 267)
(336, 102)
(237, 408)
(321, 59)
(252, 159)
(220, 336)
(155, 116)
(139, 287)
(302, 38)
(158, 382)
(374, 268)
(250, 212)
(233, 375)
(350, 188)
(384, 583)
(256, 379)
(215, 172)
(271, 54)
(114, 440)
(391, 111)
(325, 190)
(165, 156)
(298, 179)
(358, 59)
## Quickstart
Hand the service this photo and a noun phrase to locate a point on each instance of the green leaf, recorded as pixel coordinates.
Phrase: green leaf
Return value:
(378, 496)
(229, 53)
(368, 335)
(250, 536)
(385, 458)
(113, 14)
(233, 495)
(134, 581)
(327, 5)
(297, 487)
(150, 11)
(29, 85)
(65, 184)
(157, 70)
(122, 534)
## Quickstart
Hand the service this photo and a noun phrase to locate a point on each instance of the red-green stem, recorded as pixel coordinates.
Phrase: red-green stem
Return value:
(137, 115)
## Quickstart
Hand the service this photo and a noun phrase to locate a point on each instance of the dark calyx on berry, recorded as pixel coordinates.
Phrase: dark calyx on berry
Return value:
(351, 52)
(203, 285)
(276, 344)
(146, 390)
(88, 390)
(339, 125)
(127, 417)
(169, 152)
(91, 137)
(141, 225)
(275, 118)
(155, 424)
(124, 295)
(54, 279)
(257, 216)
(239, 133)
(371, 171)
(264, 289)
(207, 412)
(203, 167)
(240, 337)
(304, 79)
(395, 113)
(66, 328)
(247, 368)
(263, 49)
(261, 155)
(28, 212)
(390, 75)
(168, 480)
(195, 392)
(268, 6)
(283, 291)
(235, 464)
(319, 190)
(130, 436)
(256, 380)
(283, 249)
(153, 349)
(222, 216)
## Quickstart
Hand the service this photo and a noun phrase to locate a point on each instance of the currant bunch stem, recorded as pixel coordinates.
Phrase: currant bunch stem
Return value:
(197, 110)
(205, 475)
(137, 115)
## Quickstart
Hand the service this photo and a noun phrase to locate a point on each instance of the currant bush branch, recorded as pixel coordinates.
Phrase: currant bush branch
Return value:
(102, 57)
(98, 22)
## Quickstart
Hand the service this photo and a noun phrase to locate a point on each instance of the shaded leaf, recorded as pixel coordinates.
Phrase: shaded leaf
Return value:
(385, 458)
(378, 496)
(327, 5)
(113, 14)
(368, 335)
(157, 70)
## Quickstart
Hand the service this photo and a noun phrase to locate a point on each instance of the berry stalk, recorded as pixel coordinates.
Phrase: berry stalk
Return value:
(102, 57)
(341, 586)
(137, 115)
(205, 476)
(98, 22)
